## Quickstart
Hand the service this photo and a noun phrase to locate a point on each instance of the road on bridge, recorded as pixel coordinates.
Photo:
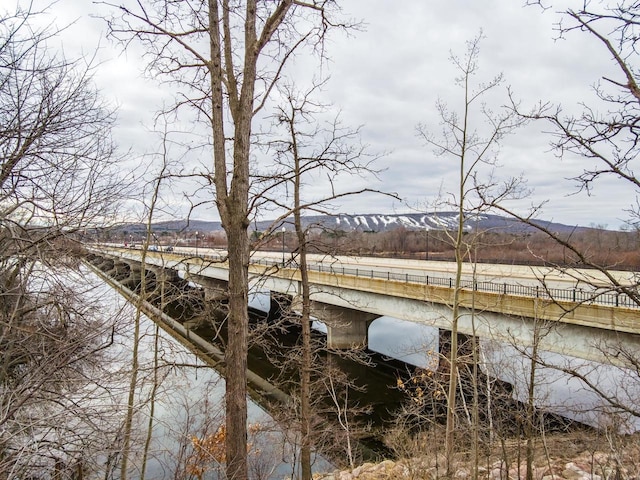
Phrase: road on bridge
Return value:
(530, 276)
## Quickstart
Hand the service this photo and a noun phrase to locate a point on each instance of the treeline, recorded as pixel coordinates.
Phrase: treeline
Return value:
(618, 250)
(609, 249)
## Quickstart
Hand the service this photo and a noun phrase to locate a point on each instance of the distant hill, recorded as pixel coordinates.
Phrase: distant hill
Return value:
(422, 221)
(369, 223)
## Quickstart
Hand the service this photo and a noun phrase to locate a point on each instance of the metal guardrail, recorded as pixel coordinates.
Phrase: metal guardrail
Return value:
(576, 295)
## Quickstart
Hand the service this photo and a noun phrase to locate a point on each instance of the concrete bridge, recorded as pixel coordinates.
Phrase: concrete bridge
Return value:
(575, 313)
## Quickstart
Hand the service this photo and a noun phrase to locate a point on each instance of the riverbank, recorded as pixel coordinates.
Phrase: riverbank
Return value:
(562, 457)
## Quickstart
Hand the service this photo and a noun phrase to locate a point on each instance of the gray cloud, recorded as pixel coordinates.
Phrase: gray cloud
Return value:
(388, 78)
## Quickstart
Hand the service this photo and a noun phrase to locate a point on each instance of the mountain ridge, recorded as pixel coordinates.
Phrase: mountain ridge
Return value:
(371, 223)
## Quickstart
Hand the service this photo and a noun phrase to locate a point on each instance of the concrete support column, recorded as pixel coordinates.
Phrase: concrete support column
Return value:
(105, 264)
(215, 290)
(167, 282)
(469, 376)
(111, 267)
(134, 279)
(346, 327)
(164, 274)
(120, 270)
(466, 346)
(279, 303)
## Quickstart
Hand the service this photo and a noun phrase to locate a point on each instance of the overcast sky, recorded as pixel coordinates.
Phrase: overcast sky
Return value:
(387, 79)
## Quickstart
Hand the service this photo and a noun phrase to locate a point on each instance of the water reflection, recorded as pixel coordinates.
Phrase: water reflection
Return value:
(407, 341)
(189, 406)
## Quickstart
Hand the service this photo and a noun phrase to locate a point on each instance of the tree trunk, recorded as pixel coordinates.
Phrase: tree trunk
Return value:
(455, 314)
(305, 372)
(305, 368)
(236, 353)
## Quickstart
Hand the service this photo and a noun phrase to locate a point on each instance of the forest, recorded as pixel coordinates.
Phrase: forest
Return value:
(608, 249)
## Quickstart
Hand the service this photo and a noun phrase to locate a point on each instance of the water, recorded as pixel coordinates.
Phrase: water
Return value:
(189, 405)
(558, 390)
(405, 341)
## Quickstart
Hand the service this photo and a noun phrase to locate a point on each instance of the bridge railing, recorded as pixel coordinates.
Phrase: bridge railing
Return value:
(577, 295)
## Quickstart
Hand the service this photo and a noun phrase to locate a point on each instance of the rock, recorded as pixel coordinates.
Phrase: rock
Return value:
(398, 471)
(356, 471)
(365, 467)
(573, 472)
(387, 465)
(345, 476)
(462, 473)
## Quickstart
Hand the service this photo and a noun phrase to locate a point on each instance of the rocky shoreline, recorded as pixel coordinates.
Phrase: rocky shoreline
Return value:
(574, 459)
(390, 470)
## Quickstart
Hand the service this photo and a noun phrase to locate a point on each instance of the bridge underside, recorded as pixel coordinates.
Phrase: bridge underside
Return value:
(590, 343)
(346, 328)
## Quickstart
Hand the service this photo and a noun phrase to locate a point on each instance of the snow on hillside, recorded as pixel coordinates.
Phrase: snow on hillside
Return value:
(373, 223)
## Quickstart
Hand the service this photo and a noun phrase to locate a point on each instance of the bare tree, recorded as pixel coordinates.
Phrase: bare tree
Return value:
(58, 178)
(143, 296)
(312, 150)
(229, 56)
(605, 134)
(473, 146)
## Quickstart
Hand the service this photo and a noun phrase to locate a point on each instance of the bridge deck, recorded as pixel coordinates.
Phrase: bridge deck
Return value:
(492, 307)
(583, 297)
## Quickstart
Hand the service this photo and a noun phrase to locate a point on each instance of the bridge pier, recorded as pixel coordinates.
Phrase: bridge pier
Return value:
(134, 280)
(472, 380)
(119, 270)
(215, 290)
(168, 284)
(346, 327)
(467, 345)
(105, 264)
(279, 303)
(164, 274)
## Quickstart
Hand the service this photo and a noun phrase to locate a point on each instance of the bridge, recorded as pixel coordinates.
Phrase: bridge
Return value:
(575, 313)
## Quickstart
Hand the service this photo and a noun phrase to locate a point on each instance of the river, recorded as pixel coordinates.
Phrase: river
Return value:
(557, 390)
(189, 404)
(191, 401)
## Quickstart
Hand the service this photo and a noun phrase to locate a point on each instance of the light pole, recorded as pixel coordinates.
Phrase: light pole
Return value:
(426, 250)
(196, 244)
(283, 232)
